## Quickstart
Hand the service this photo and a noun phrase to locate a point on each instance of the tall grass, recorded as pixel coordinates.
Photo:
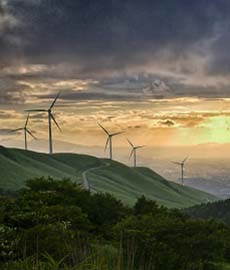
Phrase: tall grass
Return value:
(96, 257)
(80, 257)
(96, 261)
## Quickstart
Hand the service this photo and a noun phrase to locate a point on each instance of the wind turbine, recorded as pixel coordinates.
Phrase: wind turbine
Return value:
(182, 169)
(134, 152)
(50, 119)
(26, 131)
(109, 140)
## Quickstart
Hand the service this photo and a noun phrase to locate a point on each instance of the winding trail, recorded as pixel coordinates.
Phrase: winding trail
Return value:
(86, 184)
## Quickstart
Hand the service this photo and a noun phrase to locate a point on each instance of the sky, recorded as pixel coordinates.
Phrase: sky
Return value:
(158, 70)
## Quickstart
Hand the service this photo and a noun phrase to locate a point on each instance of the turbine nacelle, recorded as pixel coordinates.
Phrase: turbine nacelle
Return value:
(139, 147)
(182, 168)
(25, 128)
(177, 163)
(181, 163)
(133, 151)
(50, 119)
(49, 111)
(116, 133)
(134, 148)
(109, 138)
(26, 131)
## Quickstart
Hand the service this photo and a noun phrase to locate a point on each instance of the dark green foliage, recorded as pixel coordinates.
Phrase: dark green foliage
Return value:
(46, 238)
(145, 206)
(217, 210)
(53, 224)
(8, 243)
(167, 242)
(105, 211)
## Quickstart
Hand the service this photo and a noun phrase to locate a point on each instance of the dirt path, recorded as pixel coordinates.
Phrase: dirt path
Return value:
(86, 183)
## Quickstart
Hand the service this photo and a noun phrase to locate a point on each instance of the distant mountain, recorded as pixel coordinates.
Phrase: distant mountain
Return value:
(103, 175)
(218, 187)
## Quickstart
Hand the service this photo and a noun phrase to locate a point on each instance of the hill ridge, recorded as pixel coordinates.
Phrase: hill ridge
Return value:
(126, 183)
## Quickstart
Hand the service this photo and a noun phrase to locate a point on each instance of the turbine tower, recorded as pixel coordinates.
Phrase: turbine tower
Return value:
(182, 169)
(50, 119)
(110, 140)
(134, 152)
(26, 131)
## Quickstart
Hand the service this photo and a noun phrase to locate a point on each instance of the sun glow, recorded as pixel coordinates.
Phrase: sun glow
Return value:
(150, 122)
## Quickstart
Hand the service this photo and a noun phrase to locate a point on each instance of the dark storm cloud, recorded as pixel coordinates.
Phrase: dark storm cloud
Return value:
(219, 64)
(71, 39)
(10, 92)
(110, 34)
(91, 95)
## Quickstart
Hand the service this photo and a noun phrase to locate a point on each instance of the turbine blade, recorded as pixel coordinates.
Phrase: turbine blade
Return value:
(31, 134)
(56, 123)
(140, 146)
(103, 129)
(106, 144)
(53, 103)
(117, 133)
(27, 119)
(130, 143)
(178, 163)
(15, 130)
(131, 153)
(36, 110)
(183, 162)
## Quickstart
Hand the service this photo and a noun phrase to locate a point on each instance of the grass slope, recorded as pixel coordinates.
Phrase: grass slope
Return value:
(124, 182)
(130, 183)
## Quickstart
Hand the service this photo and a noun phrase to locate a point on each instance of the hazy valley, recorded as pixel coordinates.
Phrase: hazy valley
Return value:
(209, 172)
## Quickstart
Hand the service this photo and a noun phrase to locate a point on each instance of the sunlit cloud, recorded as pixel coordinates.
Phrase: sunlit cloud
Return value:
(163, 79)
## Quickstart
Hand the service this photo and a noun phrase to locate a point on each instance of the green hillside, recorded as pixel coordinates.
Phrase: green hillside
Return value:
(104, 175)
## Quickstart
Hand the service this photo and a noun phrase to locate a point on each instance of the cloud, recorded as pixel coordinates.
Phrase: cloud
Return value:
(133, 50)
(157, 87)
(7, 114)
(7, 19)
(10, 92)
(7, 132)
(165, 123)
(109, 35)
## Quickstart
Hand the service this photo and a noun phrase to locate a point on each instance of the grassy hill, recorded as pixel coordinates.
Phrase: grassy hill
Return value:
(104, 175)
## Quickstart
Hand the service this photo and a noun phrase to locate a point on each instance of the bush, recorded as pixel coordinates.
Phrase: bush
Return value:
(79, 230)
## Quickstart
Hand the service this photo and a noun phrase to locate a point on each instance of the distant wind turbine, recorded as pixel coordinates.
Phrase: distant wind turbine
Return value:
(26, 131)
(182, 169)
(50, 118)
(109, 140)
(134, 152)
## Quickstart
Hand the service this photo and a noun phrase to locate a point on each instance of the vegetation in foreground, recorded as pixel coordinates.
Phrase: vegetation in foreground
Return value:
(51, 225)
(215, 210)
